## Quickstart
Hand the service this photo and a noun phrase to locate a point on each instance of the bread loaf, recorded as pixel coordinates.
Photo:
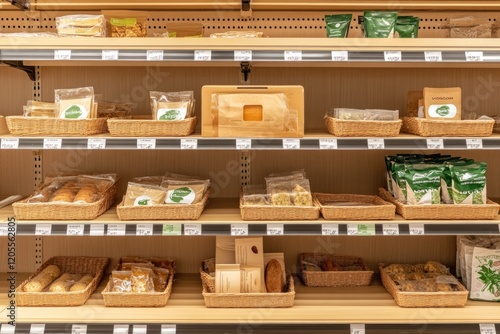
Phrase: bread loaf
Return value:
(42, 280)
(87, 194)
(64, 282)
(82, 283)
(274, 277)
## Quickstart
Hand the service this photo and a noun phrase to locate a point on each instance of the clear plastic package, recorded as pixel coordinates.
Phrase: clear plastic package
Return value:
(238, 34)
(144, 195)
(366, 114)
(255, 195)
(75, 103)
(81, 26)
(126, 23)
(172, 105)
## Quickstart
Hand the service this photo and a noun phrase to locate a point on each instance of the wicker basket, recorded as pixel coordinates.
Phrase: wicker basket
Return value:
(29, 126)
(349, 128)
(67, 264)
(443, 211)
(64, 211)
(150, 128)
(335, 278)
(453, 128)
(423, 299)
(3, 126)
(243, 300)
(163, 212)
(273, 212)
(379, 209)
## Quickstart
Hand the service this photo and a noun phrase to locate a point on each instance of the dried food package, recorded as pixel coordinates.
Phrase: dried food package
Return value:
(172, 106)
(39, 109)
(160, 278)
(126, 23)
(238, 34)
(142, 279)
(186, 192)
(469, 183)
(407, 26)
(379, 24)
(81, 26)
(149, 180)
(121, 281)
(337, 26)
(75, 103)
(255, 195)
(144, 195)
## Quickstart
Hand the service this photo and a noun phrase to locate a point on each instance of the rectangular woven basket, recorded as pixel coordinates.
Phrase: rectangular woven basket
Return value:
(443, 211)
(274, 212)
(350, 128)
(335, 278)
(379, 209)
(30, 126)
(423, 299)
(3, 126)
(67, 264)
(150, 128)
(64, 211)
(452, 128)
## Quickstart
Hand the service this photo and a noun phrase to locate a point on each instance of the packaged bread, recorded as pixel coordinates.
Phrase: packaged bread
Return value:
(160, 278)
(274, 277)
(39, 109)
(43, 279)
(87, 194)
(301, 193)
(82, 283)
(44, 193)
(75, 103)
(172, 106)
(186, 192)
(66, 194)
(126, 23)
(296, 192)
(129, 265)
(81, 25)
(64, 282)
(142, 279)
(121, 281)
(161, 262)
(144, 195)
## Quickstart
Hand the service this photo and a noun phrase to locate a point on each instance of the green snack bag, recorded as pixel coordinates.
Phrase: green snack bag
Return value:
(423, 183)
(337, 26)
(446, 181)
(407, 26)
(469, 183)
(398, 176)
(389, 159)
(379, 24)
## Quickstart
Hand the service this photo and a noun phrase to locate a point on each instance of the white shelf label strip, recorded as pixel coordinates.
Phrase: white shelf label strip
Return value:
(203, 55)
(244, 55)
(340, 56)
(391, 229)
(140, 329)
(79, 329)
(243, 144)
(75, 229)
(120, 329)
(189, 144)
(487, 329)
(239, 230)
(96, 143)
(328, 144)
(37, 329)
(153, 55)
(144, 229)
(117, 229)
(392, 56)
(433, 56)
(275, 229)
(43, 229)
(474, 56)
(329, 229)
(291, 144)
(435, 144)
(109, 55)
(9, 143)
(146, 143)
(358, 329)
(192, 229)
(62, 54)
(52, 143)
(293, 55)
(96, 229)
(474, 144)
(168, 329)
(417, 229)
(7, 329)
(376, 144)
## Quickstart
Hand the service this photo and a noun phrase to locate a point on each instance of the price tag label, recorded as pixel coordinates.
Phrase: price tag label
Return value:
(275, 229)
(358, 329)
(239, 230)
(168, 329)
(79, 329)
(329, 229)
(243, 144)
(4, 229)
(433, 56)
(96, 143)
(120, 329)
(192, 229)
(75, 229)
(417, 229)
(293, 55)
(109, 54)
(435, 144)
(146, 143)
(474, 56)
(116, 229)
(43, 229)
(291, 144)
(391, 229)
(96, 229)
(140, 329)
(392, 56)
(203, 55)
(360, 229)
(498, 228)
(37, 329)
(7, 329)
(52, 143)
(62, 54)
(340, 55)
(376, 144)
(144, 229)
(243, 55)
(9, 143)
(189, 144)
(328, 144)
(487, 329)
(474, 144)
(172, 229)
(154, 55)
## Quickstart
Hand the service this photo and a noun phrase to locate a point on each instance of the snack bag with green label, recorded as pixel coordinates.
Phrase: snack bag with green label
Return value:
(74, 103)
(379, 24)
(144, 195)
(172, 106)
(446, 181)
(186, 192)
(469, 183)
(407, 26)
(423, 183)
(337, 26)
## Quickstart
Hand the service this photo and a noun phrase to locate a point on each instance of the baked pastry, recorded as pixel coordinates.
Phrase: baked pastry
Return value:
(66, 194)
(64, 282)
(330, 265)
(121, 281)
(301, 197)
(87, 194)
(274, 277)
(82, 283)
(42, 280)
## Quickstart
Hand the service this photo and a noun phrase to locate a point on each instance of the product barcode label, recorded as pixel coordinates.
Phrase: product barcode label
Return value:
(487, 328)
(144, 229)
(393, 56)
(435, 144)
(243, 144)
(202, 55)
(417, 229)
(358, 329)
(4, 229)
(168, 329)
(146, 143)
(328, 144)
(96, 229)
(43, 229)
(96, 143)
(291, 144)
(433, 56)
(37, 329)
(192, 229)
(154, 55)
(7, 329)
(109, 55)
(474, 144)
(79, 329)
(329, 229)
(239, 230)
(275, 229)
(376, 144)
(117, 229)
(52, 143)
(245, 55)
(75, 229)
(62, 54)
(340, 55)
(189, 144)
(172, 229)
(390, 229)
(120, 329)
(293, 55)
(140, 329)
(9, 143)
(474, 56)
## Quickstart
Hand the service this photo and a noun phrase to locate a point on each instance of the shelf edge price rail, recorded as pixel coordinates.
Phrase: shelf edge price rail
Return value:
(96, 143)
(52, 143)
(358, 329)
(417, 229)
(329, 229)
(79, 329)
(43, 229)
(117, 229)
(168, 329)
(275, 229)
(144, 229)
(37, 329)
(487, 329)
(239, 230)
(75, 229)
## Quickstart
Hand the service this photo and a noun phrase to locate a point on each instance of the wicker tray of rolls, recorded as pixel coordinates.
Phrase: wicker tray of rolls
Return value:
(140, 282)
(329, 270)
(62, 281)
(354, 207)
(243, 300)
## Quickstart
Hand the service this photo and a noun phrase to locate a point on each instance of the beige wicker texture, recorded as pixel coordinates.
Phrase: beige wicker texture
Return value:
(378, 208)
(453, 128)
(149, 128)
(67, 264)
(349, 128)
(64, 211)
(274, 212)
(3, 126)
(423, 299)
(29, 126)
(163, 212)
(443, 211)
(335, 278)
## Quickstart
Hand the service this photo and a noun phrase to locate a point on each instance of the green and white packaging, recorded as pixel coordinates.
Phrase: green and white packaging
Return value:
(446, 180)
(485, 283)
(423, 183)
(469, 183)
(337, 26)
(407, 26)
(379, 24)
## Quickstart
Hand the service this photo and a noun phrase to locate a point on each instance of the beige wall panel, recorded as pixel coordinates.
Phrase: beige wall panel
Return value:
(16, 172)
(25, 254)
(15, 89)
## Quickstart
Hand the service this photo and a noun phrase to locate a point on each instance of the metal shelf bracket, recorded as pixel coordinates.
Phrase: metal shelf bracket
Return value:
(29, 70)
(21, 4)
(246, 68)
(246, 8)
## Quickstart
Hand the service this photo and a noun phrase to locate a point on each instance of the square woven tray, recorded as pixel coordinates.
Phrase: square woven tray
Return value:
(31, 126)
(349, 128)
(452, 128)
(274, 212)
(379, 209)
(150, 128)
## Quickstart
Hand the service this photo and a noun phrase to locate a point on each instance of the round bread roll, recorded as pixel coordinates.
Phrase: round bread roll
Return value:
(274, 277)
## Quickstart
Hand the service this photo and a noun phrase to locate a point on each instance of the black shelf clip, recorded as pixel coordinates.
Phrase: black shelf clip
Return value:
(246, 68)
(21, 4)
(246, 8)
(29, 70)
